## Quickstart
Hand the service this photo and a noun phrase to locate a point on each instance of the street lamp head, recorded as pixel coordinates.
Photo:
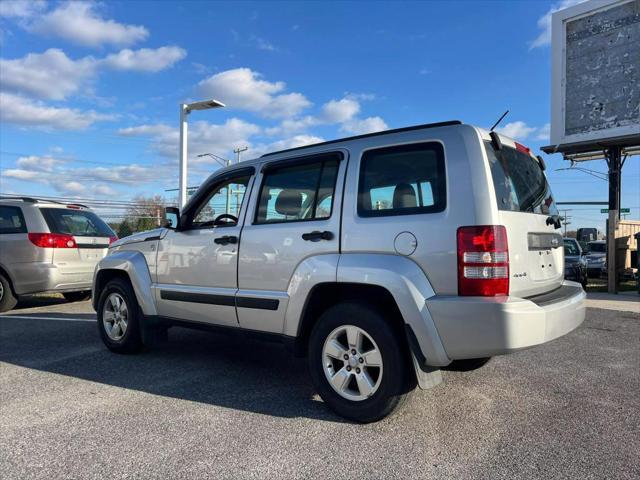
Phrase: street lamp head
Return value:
(204, 105)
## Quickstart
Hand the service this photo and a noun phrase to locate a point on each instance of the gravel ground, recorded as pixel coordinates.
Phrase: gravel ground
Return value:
(206, 406)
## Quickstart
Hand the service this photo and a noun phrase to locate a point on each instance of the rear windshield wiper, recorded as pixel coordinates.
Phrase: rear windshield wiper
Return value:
(554, 220)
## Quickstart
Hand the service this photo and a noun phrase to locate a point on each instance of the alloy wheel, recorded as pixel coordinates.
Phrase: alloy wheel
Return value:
(352, 363)
(115, 316)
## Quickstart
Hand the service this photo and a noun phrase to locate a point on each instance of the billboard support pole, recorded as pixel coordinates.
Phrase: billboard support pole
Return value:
(614, 161)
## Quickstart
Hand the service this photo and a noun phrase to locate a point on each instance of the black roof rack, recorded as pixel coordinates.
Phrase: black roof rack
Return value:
(368, 135)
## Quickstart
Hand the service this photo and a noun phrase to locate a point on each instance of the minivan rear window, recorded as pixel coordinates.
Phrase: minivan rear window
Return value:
(519, 182)
(80, 223)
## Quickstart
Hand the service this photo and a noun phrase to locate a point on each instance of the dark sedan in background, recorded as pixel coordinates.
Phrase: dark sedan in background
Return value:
(575, 264)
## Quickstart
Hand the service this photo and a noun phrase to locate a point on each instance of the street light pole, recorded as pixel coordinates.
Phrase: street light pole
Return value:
(182, 192)
(185, 110)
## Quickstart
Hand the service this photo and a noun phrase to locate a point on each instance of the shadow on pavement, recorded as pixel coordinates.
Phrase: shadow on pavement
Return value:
(196, 366)
(34, 301)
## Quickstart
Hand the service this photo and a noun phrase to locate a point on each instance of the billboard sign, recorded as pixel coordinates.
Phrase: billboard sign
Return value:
(596, 73)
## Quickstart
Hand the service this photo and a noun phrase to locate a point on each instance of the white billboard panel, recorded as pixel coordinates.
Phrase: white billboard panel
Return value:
(596, 73)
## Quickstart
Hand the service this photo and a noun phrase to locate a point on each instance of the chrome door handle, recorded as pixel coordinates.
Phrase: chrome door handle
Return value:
(316, 236)
(225, 240)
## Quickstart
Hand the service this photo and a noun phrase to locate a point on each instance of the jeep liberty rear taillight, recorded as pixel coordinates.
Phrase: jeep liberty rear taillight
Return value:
(483, 261)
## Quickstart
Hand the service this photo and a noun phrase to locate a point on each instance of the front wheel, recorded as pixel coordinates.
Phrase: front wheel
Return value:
(358, 362)
(119, 317)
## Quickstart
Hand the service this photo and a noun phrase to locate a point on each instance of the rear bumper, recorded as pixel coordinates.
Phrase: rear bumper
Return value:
(475, 327)
(46, 277)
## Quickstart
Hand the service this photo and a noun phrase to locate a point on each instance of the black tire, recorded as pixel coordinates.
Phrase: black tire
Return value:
(131, 341)
(77, 296)
(395, 384)
(7, 299)
(468, 364)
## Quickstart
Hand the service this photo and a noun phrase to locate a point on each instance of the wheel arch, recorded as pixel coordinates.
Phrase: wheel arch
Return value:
(131, 266)
(394, 281)
(5, 273)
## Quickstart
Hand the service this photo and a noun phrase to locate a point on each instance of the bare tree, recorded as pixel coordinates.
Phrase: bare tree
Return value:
(146, 213)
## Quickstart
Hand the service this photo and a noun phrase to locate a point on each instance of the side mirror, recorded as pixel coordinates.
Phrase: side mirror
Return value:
(171, 217)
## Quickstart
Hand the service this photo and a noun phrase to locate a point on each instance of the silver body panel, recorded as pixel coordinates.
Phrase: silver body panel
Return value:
(32, 269)
(271, 271)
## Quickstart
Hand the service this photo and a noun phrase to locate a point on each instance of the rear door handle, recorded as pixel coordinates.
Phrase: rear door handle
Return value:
(225, 240)
(316, 236)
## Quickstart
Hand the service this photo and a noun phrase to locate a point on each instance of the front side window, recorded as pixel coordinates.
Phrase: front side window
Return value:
(571, 248)
(80, 223)
(402, 180)
(298, 192)
(11, 220)
(222, 206)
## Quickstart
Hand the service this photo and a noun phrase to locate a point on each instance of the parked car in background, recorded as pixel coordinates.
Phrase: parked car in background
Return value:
(47, 246)
(575, 264)
(596, 254)
(381, 257)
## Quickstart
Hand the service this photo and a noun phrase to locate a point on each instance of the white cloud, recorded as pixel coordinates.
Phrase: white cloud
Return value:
(339, 111)
(204, 137)
(81, 23)
(293, 142)
(44, 164)
(544, 132)
(366, 125)
(49, 75)
(544, 23)
(21, 8)
(21, 111)
(245, 89)
(82, 180)
(52, 75)
(262, 44)
(517, 130)
(145, 59)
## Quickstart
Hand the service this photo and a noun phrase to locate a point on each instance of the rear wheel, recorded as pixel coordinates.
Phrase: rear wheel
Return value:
(358, 362)
(119, 317)
(7, 299)
(77, 296)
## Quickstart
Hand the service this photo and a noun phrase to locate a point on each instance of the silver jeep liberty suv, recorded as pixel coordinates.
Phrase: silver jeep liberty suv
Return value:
(381, 257)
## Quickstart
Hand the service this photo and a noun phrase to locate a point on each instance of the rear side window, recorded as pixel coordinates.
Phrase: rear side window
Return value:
(519, 182)
(11, 220)
(298, 192)
(403, 180)
(75, 222)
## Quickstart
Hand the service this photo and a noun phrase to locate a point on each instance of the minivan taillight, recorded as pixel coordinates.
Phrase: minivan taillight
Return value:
(52, 240)
(483, 261)
(113, 239)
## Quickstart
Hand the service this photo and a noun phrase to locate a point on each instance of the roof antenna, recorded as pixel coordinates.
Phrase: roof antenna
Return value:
(499, 120)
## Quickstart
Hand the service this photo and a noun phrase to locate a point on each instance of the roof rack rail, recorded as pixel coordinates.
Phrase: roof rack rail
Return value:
(39, 200)
(368, 135)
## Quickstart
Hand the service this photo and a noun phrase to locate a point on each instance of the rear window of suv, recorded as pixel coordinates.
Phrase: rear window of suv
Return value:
(519, 182)
(80, 223)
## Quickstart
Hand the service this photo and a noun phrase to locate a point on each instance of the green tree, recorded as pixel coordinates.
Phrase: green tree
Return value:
(124, 230)
(146, 213)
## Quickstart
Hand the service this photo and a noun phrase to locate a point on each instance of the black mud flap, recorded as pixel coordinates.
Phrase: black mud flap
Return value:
(426, 375)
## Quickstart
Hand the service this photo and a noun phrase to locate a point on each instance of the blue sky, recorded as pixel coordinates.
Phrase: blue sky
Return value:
(90, 91)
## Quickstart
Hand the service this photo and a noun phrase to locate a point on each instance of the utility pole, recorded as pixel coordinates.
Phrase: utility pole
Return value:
(239, 150)
(565, 220)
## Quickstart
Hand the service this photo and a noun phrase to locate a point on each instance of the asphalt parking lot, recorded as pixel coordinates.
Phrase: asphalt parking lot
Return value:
(206, 406)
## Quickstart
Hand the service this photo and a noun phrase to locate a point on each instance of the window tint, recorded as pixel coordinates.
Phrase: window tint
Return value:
(402, 180)
(519, 182)
(571, 248)
(11, 220)
(75, 222)
(226, 198)
(298, 192)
